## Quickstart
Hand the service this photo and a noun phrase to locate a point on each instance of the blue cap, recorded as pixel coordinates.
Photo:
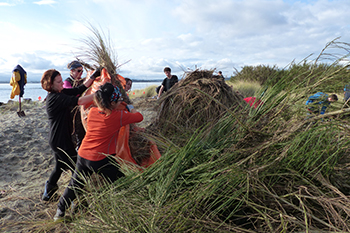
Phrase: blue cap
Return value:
(74, 64)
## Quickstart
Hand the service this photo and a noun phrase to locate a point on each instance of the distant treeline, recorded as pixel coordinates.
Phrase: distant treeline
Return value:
(304, 74)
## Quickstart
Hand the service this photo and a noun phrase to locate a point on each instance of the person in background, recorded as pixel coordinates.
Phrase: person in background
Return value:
(318, 103)
(252, 100)
(167, 83)
(103, 125)
(59, 101)
(220, 74)
(74, 80)
(128, 84)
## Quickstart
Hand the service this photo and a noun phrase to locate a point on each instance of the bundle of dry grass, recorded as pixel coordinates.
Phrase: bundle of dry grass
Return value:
(139, 147)
(199, 99)
(99, 49)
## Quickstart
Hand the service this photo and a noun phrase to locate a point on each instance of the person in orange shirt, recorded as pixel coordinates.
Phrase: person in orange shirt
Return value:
(103, 125)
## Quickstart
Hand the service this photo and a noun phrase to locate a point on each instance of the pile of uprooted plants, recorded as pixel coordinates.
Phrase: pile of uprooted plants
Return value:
(227, 167)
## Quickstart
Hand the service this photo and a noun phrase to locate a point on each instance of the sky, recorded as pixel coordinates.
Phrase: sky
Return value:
(148, 35)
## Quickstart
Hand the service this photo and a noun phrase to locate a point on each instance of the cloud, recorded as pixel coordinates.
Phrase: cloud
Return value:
(33, 61)
(231, 20)
(11, 2)
(221, 34)
(45, 2)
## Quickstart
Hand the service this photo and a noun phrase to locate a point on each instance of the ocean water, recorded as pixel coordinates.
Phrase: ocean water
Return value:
(34, 91)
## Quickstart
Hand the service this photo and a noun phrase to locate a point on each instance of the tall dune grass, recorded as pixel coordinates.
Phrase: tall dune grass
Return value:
(147, 92)
(246, 88)
(272, 172)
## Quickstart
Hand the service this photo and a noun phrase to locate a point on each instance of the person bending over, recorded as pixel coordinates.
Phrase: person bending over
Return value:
(318, 103)
(59, 102)
(103, 125)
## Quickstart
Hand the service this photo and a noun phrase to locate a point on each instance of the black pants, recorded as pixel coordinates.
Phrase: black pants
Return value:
(79, 130)
(63, 162)
(85, 167)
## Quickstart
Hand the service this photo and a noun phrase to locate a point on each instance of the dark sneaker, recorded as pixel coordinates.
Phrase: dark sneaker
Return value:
(49, 191)
(59, 215)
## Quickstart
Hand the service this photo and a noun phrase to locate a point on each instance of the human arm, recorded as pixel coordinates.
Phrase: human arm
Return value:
(160, 91)
(67, 84)
(124, 117)
(127, 118)
(88, 82)
(92, 77)
(86, 99)
(308, 102)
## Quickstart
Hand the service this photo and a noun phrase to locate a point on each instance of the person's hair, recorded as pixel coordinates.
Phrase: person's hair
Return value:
(48, 78)
(103, 96)
(127, 80)
(334, 97)
(167, 69)
(74, 64)
(220, 72)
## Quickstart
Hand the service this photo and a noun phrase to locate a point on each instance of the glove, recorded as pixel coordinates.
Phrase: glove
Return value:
(96, 73)
(129, 107)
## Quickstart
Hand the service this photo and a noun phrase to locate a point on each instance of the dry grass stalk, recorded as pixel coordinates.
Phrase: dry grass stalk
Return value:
(99, 50)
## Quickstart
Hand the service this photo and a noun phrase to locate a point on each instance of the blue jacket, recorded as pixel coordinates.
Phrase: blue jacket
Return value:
(317, 101)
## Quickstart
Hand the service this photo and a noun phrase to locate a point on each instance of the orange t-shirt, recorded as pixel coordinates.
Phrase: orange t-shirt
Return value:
(102, 132)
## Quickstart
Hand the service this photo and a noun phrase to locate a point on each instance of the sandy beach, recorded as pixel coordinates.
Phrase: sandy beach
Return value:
(26, 162)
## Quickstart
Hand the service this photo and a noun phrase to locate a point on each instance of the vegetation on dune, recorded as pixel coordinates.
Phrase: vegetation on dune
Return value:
(311, 75)
(143, 93)
(226, 167)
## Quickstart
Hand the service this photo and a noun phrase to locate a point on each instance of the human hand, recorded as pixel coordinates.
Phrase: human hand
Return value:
(96, 73)
(129, 107)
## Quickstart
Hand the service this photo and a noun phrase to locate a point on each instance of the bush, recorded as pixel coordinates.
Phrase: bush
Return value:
(317, 77)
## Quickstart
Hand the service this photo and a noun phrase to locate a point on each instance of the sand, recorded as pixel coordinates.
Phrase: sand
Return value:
(26, 162)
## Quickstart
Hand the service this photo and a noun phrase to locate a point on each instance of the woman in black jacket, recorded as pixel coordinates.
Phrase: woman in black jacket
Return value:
(59, 102)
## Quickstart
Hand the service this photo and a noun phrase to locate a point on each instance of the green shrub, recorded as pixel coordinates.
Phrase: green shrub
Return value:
(317, 77)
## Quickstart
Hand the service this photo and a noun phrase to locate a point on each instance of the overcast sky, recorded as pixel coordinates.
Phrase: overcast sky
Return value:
(182, 34)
